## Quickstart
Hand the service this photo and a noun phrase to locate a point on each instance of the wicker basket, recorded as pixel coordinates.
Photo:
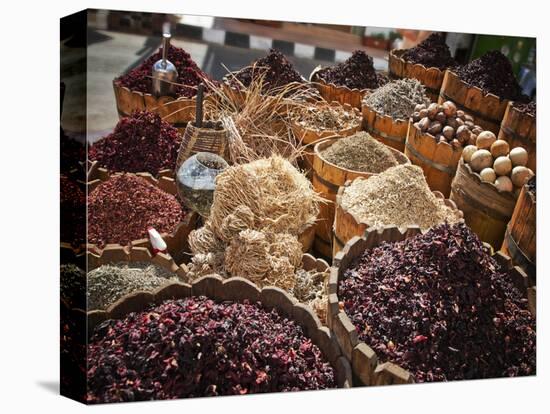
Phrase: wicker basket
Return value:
(211, 137)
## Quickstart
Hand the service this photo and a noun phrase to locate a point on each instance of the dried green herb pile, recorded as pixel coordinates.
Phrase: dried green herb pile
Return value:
(399, 196)
(108, 283)
(360, 152)
(73, 286)
(398, 99)
(439, 306)
(327, 118)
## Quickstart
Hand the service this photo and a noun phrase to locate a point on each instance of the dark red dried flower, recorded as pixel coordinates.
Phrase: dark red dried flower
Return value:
(121, 208)
(142, 142)
(439, 306)
(72, 212)
(189, 74)
(196, 347)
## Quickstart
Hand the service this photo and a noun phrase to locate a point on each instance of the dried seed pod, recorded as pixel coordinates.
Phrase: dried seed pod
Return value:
(499, 148)
(449, 109)
(477, 130)
(435, 128)
(503, 183)
(468, 118)
(460, 114)
(416, 116)
(485, 139)
(456, 144)
(440, 138)
(441, 118)
(433, 109)
(473, 138)
(452, 122)
(449, 132)
(423, 113)
(463, 134)
(424, 124)
(419, 107)
(459, 122)
(469, 124)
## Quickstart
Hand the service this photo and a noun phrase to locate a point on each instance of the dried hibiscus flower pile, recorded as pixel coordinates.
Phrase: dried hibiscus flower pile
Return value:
(142, 142)
(121, 208)
(439, 306)
(189, 74)
(196, 347)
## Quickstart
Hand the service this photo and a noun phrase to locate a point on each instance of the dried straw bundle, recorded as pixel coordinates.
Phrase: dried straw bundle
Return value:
(281, 197)
(259, 209)
(258, 125)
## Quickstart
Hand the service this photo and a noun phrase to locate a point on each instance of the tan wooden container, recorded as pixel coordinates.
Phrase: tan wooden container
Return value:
(520, 130)
(176, 241)
(307, 238)
(389, 131)
(431, 78)
(347, 225)
(237, 289)
(520, 239)
(334, 93)
(486, 109)
(438, 160)
(487, 211)
(364, 362)
(308, 137)
(327, 178)
(177, 111)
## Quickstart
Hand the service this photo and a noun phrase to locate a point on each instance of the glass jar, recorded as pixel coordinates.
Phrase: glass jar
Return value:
(196, 178)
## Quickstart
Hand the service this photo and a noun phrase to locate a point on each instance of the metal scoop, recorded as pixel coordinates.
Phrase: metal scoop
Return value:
(165, 74)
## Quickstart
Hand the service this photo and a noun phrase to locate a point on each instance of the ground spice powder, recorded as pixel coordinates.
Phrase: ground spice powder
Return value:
(433, 52)
(399, 196)
(360, 152)
(121, 208)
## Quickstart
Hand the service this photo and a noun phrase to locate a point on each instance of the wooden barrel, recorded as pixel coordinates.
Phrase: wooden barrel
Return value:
(177, 111)
(431, 78)
(438, 160)
(486, 210)
(347, 225)
(520, 130)
(308, 137)
(366, 367)
(334, 93)
(487, 109)
(176, 241)
(237, 289)
(520, 239)
(327, 178)
(389, 131)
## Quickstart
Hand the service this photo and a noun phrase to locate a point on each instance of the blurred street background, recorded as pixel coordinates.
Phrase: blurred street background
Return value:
(118, 41)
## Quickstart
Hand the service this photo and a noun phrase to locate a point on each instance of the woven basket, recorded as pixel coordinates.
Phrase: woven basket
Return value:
(212, 137)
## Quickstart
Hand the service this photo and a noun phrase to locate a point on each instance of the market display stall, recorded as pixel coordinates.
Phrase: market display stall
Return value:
(215, 208)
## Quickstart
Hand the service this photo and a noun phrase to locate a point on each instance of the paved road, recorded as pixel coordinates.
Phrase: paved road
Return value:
(111, 54)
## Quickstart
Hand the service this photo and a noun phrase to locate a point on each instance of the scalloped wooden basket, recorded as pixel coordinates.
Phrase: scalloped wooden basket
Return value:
(177, 111)
(487, 109)
(364, 361)
(487, 210)
(238, 289)
(387, 130)
(327, 178)
(347, 225)
(438, 160)
(176, 241)
(431, 78)
(308, 137)
(519, 129)
(334, 93)
(520, 239)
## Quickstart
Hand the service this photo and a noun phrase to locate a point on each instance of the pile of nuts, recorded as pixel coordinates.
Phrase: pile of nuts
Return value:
(446, 124)
(496, 163)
